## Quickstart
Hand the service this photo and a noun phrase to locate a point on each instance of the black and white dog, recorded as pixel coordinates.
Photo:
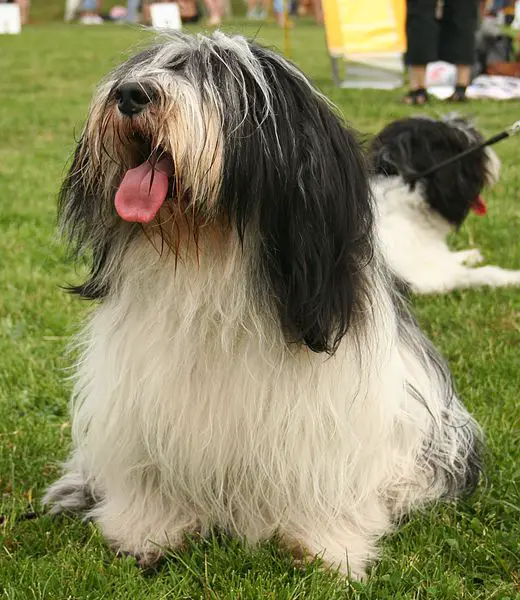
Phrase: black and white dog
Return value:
(249, 364)
(413, 221)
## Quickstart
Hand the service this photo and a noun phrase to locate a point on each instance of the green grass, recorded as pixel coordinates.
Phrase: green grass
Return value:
(467, 551)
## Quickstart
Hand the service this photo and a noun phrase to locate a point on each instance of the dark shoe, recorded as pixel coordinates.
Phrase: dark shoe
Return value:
(459, 95)
(416, 97)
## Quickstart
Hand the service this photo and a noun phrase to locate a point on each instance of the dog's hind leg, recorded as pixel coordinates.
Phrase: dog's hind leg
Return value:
(73, 493)
(488, 276)
(457, 276)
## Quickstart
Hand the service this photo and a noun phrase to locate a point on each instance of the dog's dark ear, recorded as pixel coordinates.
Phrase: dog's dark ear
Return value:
(306, 174)
(392, 153)
(85, 222)
(316, 234)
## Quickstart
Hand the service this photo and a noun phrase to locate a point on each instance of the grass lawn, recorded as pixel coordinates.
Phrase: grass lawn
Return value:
(467, 551)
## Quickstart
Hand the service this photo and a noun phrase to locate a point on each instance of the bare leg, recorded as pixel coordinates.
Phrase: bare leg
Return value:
(417, 76)
(417, 95)
(318, 11)
(215, 9)
(463, 75)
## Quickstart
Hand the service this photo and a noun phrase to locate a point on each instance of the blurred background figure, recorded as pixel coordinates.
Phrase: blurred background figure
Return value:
(188, 9)
(258, 9)
(90, 13)
(71, 9)
(215, 10)
(132, 11)
(24, 8)
(437, 30)
(308, 7)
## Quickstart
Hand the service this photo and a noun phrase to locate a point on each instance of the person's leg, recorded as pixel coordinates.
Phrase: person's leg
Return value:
(318, 11)
(421, 37)
(463, 75)
(147, 14)
(132, 9)
(89, 7)
(252, 9)
(265, 9)
(417, 76)
(457, 41)
(88, 12)
(278, 10)
(215, 10)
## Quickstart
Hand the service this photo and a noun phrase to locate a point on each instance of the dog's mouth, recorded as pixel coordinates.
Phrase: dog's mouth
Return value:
(479, 206)
(145, 187)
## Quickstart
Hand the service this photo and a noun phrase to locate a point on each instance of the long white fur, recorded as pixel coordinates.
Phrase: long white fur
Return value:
(414, 241)
(190, 410)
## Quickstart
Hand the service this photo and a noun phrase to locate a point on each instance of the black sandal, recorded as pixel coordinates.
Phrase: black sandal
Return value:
(416, 97)
(459, 95)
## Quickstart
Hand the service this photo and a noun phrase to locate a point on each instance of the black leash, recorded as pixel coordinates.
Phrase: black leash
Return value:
(509, 132)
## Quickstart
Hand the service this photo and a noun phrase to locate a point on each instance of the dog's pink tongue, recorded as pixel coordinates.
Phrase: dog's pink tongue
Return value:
(479, 206)
(143, 191)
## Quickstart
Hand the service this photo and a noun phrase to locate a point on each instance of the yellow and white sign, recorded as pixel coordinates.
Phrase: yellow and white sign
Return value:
(366, 32)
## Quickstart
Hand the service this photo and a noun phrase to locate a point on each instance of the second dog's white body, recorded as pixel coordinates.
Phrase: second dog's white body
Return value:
(414, 240)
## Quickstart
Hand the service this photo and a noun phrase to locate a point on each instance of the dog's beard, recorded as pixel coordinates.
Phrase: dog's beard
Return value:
(164, 157)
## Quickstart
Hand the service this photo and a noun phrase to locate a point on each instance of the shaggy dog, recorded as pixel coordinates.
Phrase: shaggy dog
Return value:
(248, 364)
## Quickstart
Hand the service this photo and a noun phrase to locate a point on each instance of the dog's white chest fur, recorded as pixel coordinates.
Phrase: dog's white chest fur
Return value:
(181, 384)
(413, 238)
(412, 235)
(191, 410)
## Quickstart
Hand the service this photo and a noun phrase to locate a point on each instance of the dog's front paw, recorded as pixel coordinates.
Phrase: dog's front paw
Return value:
(471, 257)
(147, 559)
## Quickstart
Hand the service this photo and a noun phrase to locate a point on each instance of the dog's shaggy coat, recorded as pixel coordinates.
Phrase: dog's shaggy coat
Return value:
(248, 364)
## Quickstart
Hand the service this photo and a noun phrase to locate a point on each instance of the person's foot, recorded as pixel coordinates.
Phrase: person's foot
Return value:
(214, 21)
(91, 20)
(256, 14)
(416, 97)
(459, 95)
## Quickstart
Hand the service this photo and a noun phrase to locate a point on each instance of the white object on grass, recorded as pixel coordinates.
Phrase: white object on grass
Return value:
(166, 16)
(440, 73)
(10, 19)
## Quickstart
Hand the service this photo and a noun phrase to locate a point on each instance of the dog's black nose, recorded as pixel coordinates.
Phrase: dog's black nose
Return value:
(132, 98)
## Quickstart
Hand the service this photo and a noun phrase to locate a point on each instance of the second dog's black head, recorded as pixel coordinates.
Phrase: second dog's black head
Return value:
(410, 146)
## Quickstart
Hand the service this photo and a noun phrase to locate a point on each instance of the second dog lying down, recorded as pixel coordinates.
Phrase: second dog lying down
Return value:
(414, 221)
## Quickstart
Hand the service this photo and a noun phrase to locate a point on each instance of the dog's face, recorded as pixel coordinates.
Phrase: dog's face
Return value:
(203, 132)
(410, 146)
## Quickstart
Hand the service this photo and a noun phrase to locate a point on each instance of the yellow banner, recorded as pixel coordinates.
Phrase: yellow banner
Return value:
(356, 27)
